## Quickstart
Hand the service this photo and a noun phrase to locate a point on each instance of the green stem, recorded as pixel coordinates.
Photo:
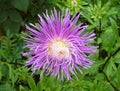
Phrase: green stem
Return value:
(107, 61)
(99, 32)
(109, 58)
(13, 63)
(108, 80)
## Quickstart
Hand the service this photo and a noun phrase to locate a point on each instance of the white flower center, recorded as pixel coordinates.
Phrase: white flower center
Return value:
(58, 48)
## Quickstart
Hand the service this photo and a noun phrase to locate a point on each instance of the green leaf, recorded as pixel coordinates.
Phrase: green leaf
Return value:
(40, 2)
(108, 39)
(99, 76)
(51, 1)
(117, 58)
(86, 84)
(110, 68)
(21, 4)
(48, 83)
(118, 76)
(95, 67)
(11, 26)
(115, 28)
(99, 40)
(3, 16)
(3, 54)
(22, 88)
(57, 88)
(15, 16)
(102, 86)
(4, 70)
(32, 84)
(47, 89)
(40, 86)
(6, 87)
(0, 72)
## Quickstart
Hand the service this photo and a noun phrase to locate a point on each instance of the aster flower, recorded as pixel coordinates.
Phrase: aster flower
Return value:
(58, 46)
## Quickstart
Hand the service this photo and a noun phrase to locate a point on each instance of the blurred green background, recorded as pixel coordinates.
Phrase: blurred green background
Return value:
(102, 16)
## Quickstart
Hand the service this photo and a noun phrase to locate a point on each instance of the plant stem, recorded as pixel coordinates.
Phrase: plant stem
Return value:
(115, 88)
(107, 61)
(99, 32)
(16, 63)
(109, 58)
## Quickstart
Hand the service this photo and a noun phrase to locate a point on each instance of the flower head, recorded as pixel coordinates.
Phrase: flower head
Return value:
(58, 46)
(75, 5)
(74, 2)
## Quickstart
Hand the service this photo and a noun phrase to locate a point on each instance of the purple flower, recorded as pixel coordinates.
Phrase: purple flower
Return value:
(58, 46)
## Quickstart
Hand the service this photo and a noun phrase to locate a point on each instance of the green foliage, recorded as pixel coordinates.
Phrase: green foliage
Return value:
(6, 87)
(102, 16)
(73, 5)
(21, 4)
(108, 38)
(98, 14)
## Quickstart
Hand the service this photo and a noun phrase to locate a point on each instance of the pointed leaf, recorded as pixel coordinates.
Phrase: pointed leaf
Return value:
(21, 4)
(32, 84)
